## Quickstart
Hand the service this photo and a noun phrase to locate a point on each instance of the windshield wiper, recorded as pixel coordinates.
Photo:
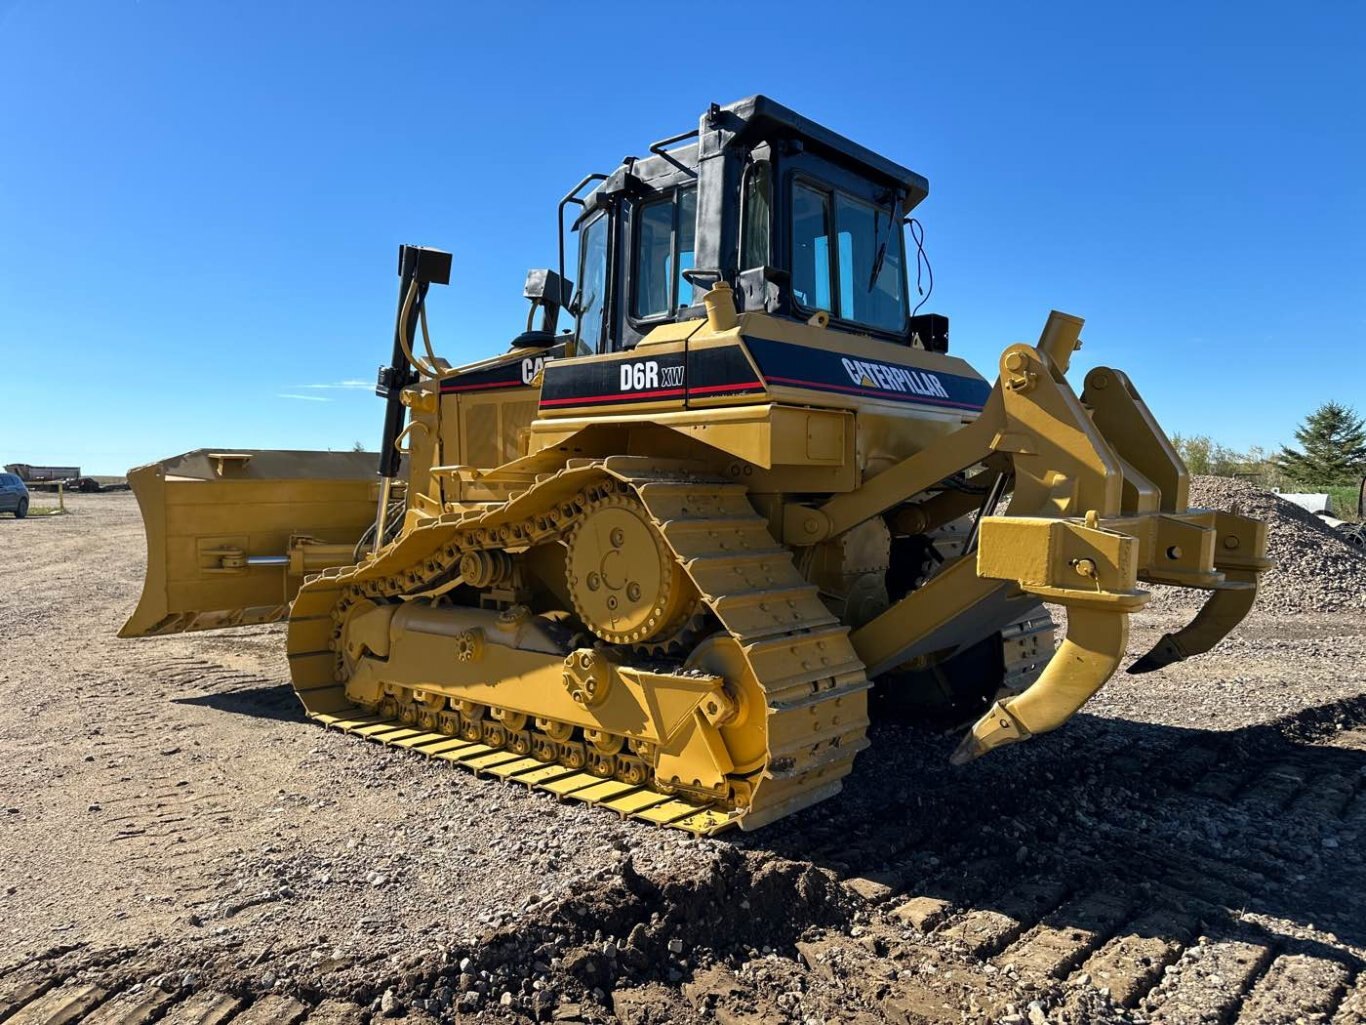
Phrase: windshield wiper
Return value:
(881, 256)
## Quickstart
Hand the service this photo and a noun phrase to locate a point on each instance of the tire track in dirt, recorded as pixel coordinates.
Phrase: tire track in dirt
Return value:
(1128, 945)
(1094, 919)
(165, 816)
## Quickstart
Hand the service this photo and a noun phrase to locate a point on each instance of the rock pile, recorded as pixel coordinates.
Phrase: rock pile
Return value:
(1316, 570)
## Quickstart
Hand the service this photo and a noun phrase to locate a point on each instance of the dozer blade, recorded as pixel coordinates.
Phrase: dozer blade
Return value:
(222, 526)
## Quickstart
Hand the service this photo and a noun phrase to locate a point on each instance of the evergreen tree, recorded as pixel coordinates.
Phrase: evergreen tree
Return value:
(1333, 440)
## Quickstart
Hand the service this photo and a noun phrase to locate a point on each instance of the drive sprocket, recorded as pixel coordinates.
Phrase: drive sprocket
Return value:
(625, 583)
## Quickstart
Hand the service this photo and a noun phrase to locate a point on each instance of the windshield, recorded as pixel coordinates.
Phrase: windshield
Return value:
(847, 258)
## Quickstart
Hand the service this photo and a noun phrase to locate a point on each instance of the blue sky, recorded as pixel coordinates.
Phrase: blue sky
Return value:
(200, 202)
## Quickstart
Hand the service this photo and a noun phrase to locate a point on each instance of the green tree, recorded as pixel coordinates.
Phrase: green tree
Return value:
(357, 446)
(1195, 450)
(1207, 457)
(1203, 455)
(1333, 448)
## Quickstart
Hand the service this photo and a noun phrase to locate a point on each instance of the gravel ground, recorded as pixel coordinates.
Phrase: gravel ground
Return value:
(178, 844)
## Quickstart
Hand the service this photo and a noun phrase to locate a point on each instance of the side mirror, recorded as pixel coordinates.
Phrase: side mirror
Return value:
(547, 290)
(546, 285)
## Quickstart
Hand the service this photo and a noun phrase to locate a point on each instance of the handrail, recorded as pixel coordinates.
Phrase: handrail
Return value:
(572, 197)
(657, 148)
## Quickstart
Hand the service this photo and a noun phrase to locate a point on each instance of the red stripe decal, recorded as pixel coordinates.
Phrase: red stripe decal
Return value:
(657, 393)
(726, 387)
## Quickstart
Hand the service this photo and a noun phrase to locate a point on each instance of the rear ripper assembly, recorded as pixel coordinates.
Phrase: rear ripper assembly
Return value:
(653, 561)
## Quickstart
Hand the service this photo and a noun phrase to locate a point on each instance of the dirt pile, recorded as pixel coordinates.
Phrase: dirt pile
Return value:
(1316, 570)
(627, 938)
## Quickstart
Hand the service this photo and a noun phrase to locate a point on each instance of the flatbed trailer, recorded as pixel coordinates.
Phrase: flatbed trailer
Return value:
(30, 474)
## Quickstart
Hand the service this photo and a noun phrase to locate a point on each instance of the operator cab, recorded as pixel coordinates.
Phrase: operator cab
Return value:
(799, 221)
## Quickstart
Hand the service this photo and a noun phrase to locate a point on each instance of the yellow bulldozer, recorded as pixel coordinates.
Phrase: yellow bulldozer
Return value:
(665, 559)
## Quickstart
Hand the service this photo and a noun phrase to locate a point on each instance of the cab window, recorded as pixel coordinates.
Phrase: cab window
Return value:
(755, 250)
(665, 231)
(869, 258)
(847, 258)
(811, 248)
(593, 275)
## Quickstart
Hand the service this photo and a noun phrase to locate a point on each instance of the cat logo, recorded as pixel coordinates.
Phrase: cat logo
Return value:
(532, 367)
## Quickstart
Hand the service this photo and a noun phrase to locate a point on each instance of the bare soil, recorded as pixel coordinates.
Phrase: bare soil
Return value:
(177, 843)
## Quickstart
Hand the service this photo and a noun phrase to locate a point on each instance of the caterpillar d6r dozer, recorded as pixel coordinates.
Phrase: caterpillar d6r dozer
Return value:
(656, 560)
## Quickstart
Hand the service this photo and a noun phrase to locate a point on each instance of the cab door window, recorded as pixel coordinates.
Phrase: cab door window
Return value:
(811, 248)
(686, 234)
(757, 228)
(665, 245)
(592, 292)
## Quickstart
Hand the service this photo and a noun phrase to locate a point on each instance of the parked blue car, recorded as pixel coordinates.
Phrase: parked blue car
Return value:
(13, 496)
